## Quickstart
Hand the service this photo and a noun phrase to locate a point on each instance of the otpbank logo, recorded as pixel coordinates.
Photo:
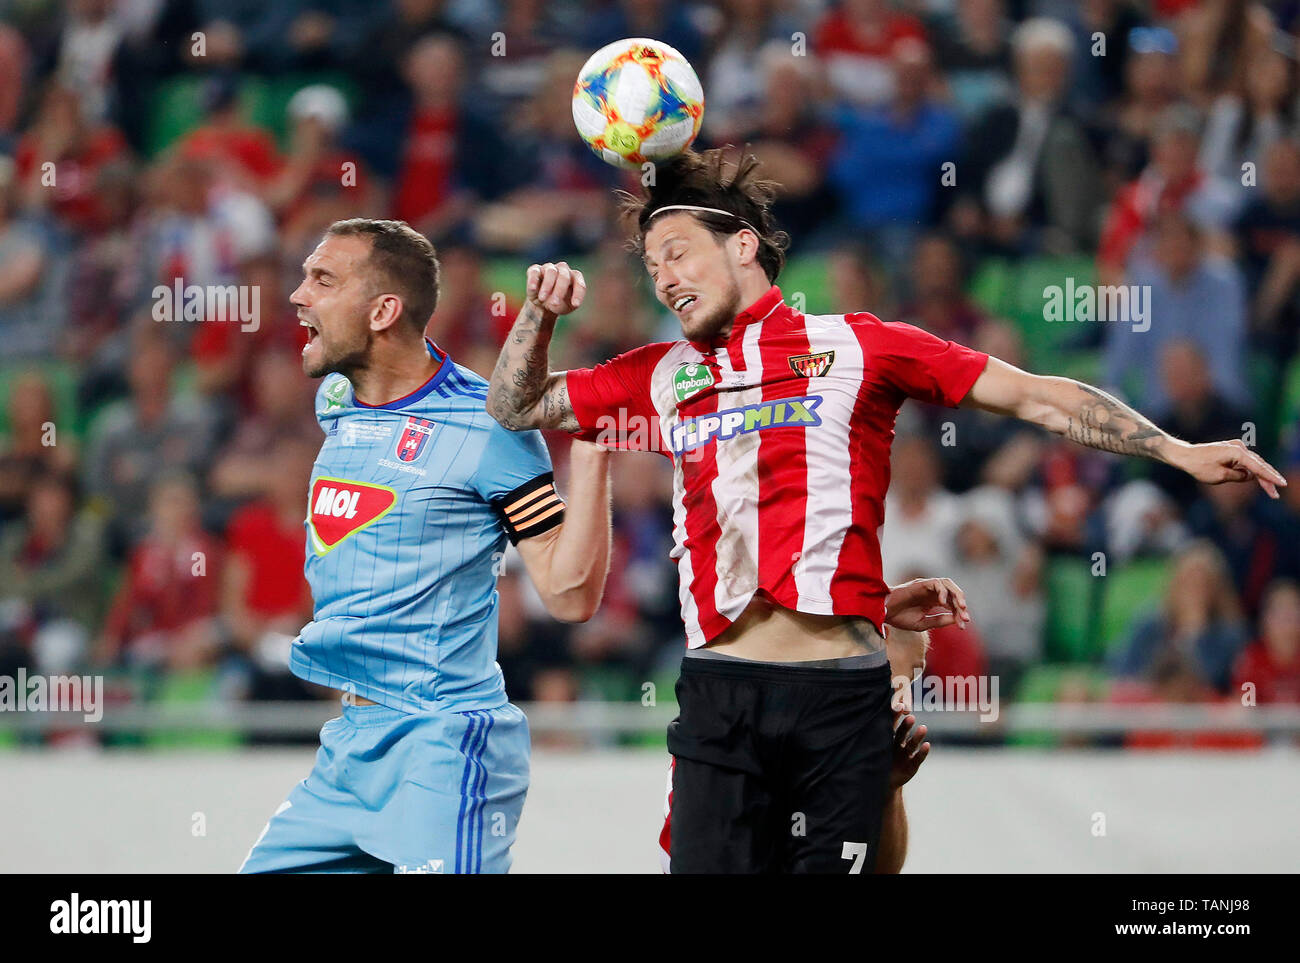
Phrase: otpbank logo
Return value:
(339, 508)
(721, 425)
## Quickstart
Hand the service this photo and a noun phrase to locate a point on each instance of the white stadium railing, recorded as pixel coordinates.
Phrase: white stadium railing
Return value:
(609, 719)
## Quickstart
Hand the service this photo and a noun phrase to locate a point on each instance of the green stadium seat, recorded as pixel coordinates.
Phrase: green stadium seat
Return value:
(805, 279)
(62, 379)
(1131, 590)
(604, 683)
(177, 105)
(1043, 684)
(191, 687)
(1072, 593)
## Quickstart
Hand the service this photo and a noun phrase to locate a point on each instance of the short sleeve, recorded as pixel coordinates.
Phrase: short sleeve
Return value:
(616, 394)
(917, 364)
(515, 478)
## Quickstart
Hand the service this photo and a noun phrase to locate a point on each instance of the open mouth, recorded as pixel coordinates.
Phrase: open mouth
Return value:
(312, 334)
(683, 303)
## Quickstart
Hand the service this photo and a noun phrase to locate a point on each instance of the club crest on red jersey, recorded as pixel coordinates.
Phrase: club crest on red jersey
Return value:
(338, 508)
(812, 365)
(414, 438)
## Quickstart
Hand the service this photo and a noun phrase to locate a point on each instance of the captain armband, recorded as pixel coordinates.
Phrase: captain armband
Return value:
(532, 508)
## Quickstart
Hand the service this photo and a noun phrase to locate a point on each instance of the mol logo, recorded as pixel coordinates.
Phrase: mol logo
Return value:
(339, 508)
(789, 412)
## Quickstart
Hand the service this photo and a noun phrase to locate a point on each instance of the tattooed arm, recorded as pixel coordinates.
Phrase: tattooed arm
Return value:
(1096, 419)
(523, 392)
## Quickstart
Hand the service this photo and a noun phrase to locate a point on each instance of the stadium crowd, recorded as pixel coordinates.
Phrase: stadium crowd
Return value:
(969, 166)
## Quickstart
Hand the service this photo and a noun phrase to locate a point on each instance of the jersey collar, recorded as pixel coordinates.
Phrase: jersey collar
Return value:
(437, 378)
(756, 312)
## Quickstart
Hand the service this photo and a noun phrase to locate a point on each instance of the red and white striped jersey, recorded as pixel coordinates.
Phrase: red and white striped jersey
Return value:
(780, 440)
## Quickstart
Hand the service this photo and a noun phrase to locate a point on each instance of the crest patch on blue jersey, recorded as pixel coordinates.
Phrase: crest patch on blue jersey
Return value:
(414, 438)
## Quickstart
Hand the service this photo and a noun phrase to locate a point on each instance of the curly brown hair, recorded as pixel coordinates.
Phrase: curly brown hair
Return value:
(710, 179)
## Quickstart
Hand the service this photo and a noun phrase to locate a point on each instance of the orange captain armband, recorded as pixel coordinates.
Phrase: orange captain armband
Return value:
(532, 508)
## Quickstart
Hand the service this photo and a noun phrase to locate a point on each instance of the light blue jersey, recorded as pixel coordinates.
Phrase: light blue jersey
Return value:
(410, 506)
(404, 544)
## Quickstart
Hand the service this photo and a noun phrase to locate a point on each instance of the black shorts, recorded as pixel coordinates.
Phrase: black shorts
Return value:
(778, 769)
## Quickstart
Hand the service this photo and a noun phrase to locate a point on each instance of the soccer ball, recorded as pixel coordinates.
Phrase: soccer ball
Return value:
(637, 100)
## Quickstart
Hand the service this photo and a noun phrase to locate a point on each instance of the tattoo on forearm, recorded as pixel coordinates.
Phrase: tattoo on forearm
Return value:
(1106, 423)
(522, 392)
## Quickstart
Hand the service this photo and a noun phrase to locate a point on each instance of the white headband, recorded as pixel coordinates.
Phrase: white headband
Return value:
(705, 210)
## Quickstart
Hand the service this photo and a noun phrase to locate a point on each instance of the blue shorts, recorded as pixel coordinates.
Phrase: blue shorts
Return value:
(395, 791)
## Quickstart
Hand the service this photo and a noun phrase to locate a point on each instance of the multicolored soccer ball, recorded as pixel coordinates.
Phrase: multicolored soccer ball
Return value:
(637, 100)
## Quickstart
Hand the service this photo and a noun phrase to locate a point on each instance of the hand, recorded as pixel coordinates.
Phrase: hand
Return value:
(555, 288)
(909, 750)
(906, 651)
(926, 603)
(1227, 461)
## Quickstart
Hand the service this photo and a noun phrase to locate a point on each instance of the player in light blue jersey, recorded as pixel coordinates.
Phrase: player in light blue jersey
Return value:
(412, 499)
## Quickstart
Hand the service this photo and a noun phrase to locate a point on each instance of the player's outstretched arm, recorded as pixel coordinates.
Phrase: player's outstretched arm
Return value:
(523, 393)
(1096, 419)
(568, 563)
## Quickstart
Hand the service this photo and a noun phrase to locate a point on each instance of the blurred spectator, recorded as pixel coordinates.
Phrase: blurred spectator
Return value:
(1196, 412)
(281, 414)
(981, 448)
(530, 32)
(939, 300)
(1151, 87)
(662, 19)
(1268, 233)
(920, 517)
(1222, 38)
(615, 291)
(1141, 519)
(452, 153)
(162, 614)
(242, 152)
(54, 563)
(749, 34)
(857, 283)
(36, 444)
(375, 59)
(13, 74)
(1028, 165)
(32, 281)
(1258, 536)
(1241, 128)
(59, 157)
(472, 321)
(142, 438)
(82, 54)
(886, 166)
(321, 182)
(857, 40)
(1271, 664)
(1190, 296)
(1102, 70)
(265, 599)
(1199, 630)
(1172, 182)
(973, 50)
(787, 132)
(564, 205)
(199, 231)
(1000, 571)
